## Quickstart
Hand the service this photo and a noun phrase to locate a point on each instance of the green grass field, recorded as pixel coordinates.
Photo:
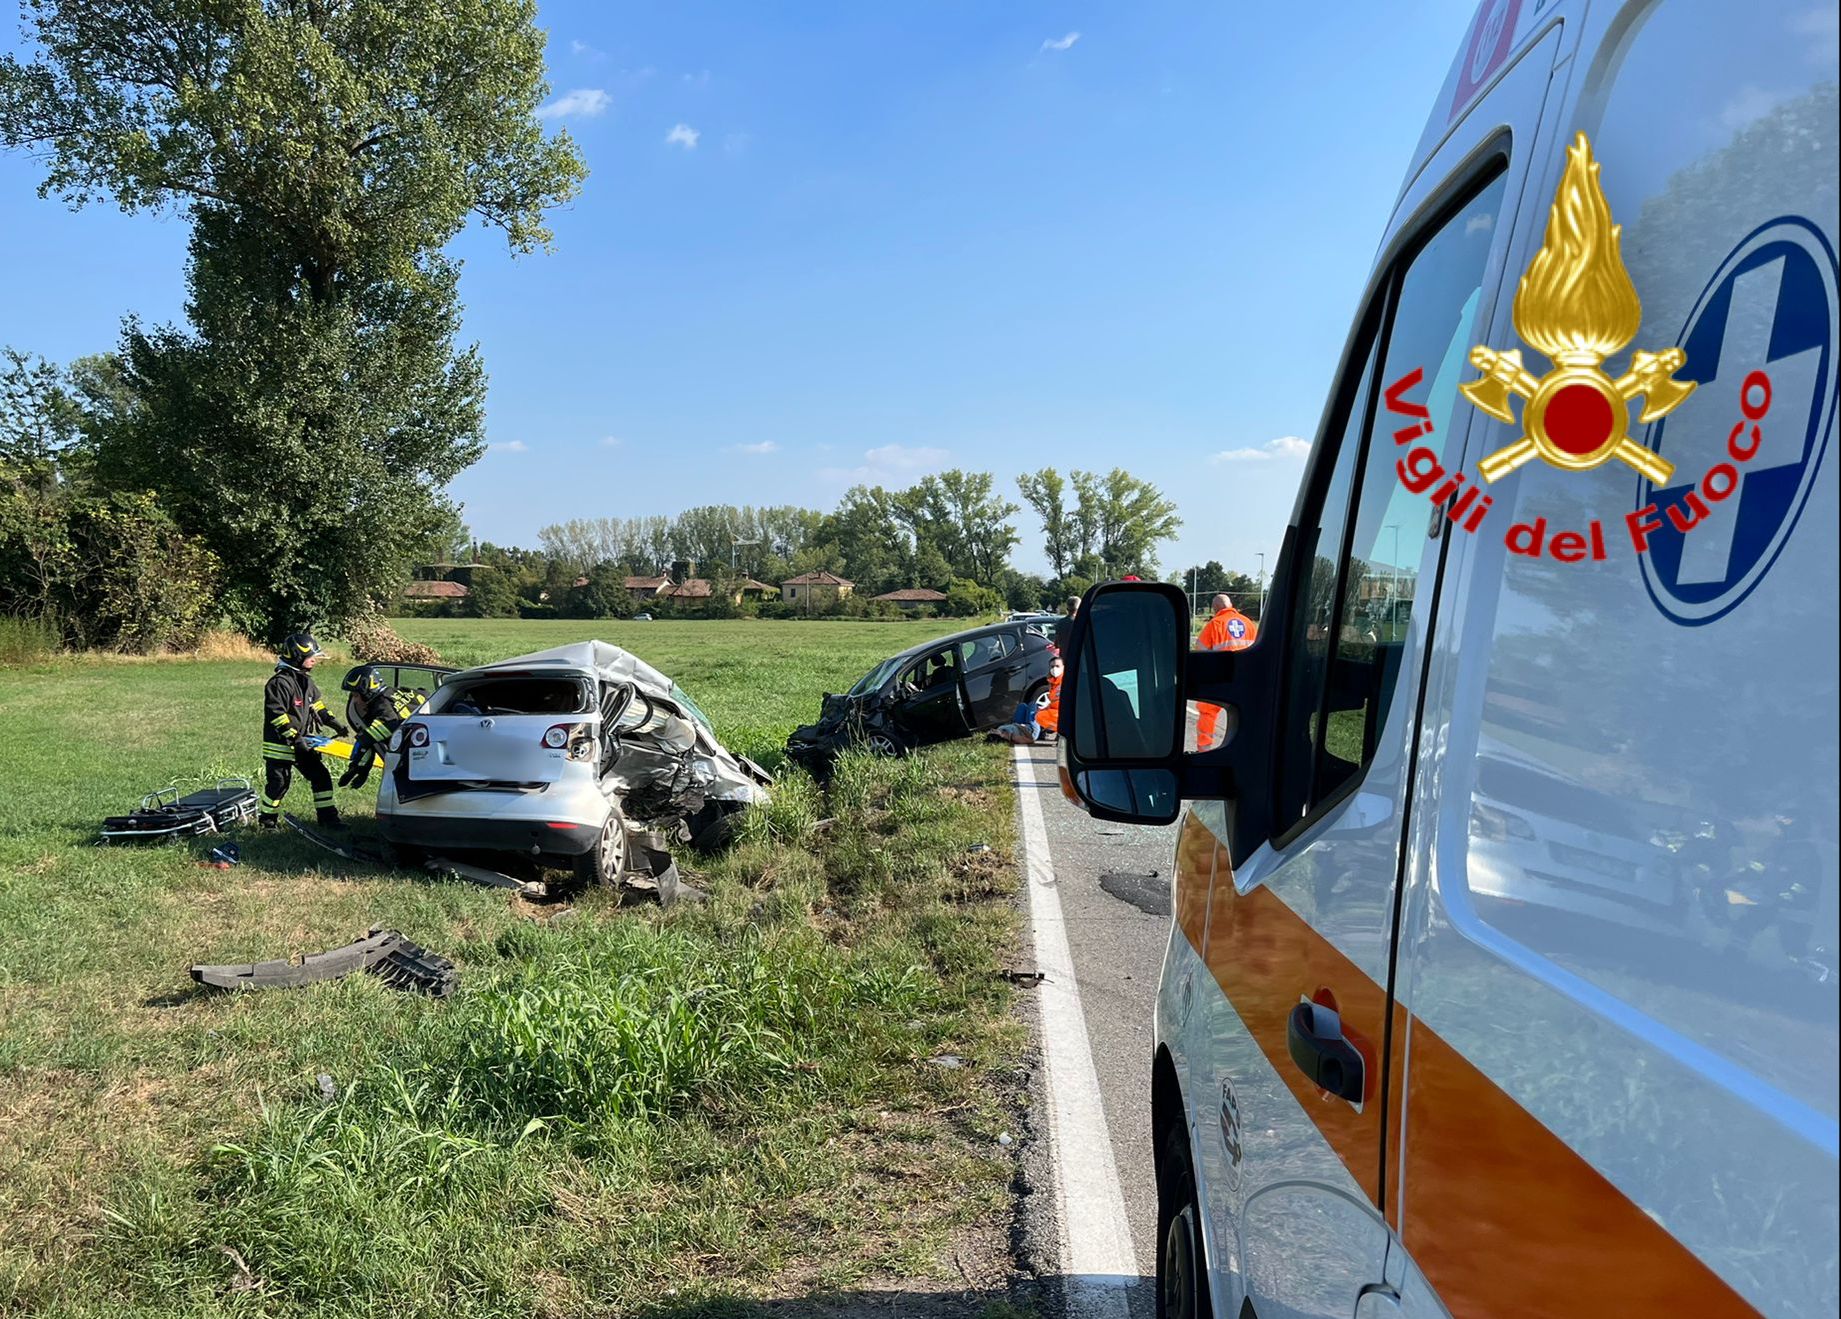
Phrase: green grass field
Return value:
(622, 1112)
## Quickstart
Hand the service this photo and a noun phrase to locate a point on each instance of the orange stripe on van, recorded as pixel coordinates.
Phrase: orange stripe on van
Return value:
(1503, 1217)
(1500, 1215)
(1265, 958)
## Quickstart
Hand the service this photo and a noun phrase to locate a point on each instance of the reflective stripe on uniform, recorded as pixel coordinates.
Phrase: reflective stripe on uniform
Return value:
(380, 730)
(323, 798)
(281, 720)
(277, 751)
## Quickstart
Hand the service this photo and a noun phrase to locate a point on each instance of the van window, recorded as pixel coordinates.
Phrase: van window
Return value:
(1363, 551)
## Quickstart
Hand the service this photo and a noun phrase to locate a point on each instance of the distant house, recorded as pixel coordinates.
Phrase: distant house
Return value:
(691, 589)
(647, 588)
(913, 597)
(422, 591)
(749, 589)
(815, 590)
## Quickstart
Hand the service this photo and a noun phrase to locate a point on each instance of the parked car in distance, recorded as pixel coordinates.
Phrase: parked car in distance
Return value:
(642, 618)
(952, 686)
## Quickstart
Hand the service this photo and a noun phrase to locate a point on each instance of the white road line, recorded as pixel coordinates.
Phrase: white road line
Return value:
(1096, 1248)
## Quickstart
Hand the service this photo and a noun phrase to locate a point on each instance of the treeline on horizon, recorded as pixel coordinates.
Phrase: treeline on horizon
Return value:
(952, 532)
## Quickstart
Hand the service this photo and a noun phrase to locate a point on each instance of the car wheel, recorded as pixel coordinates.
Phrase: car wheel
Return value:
(606, 861)
(883, 744)
(1182, 1276)
(1038, 696)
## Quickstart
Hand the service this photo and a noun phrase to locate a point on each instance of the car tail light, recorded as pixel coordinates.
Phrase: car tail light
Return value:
(416, 735)
(579, 738)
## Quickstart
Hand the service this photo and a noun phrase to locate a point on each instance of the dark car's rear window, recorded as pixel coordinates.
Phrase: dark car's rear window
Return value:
(512, 695)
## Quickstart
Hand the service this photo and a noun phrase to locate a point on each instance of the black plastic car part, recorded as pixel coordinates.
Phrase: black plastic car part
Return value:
(386, 954)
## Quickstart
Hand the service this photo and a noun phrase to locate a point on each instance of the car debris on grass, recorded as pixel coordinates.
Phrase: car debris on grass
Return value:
(386, 954)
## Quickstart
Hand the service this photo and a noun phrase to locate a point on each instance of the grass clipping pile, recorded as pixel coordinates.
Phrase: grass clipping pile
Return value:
(637, 1112)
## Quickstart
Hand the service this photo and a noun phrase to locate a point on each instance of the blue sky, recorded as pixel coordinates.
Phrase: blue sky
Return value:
(829, 243)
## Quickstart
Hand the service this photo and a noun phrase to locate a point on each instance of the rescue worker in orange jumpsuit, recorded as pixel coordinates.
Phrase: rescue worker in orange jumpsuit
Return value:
(1229, 629)
(1048, 718)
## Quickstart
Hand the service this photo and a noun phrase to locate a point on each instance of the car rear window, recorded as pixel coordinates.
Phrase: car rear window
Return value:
(512, 694)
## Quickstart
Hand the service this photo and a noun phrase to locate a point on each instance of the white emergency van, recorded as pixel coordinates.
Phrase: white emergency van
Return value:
(1502, 979)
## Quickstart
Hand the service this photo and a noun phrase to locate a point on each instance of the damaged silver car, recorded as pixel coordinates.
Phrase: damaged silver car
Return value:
(582, 756)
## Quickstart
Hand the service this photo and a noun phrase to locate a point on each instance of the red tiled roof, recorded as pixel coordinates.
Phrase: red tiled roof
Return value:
(647, 583)
(697, 588)
(749, 584)
(913, 595)
(434, 591)
(817, 579)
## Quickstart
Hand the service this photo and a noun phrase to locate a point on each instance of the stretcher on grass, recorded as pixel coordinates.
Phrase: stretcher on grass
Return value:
(168, 814)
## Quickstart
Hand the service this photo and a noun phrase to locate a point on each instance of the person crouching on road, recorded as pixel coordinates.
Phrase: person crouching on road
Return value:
(376, 710)
(292, 708)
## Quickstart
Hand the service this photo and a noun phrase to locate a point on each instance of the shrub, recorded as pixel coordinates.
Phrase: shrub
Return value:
(968, 599)
(603, 595)
(491, 595)
(113, 570)
(26, 640)
(374, 641)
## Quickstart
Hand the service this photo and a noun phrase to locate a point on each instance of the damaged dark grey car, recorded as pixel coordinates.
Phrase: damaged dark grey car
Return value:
(953, 686)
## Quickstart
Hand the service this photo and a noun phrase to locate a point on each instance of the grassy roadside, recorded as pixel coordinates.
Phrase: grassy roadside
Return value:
(622, 1112)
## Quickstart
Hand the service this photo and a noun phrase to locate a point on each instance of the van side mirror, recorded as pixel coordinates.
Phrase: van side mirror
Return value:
(1122, 708)
(1130, 684)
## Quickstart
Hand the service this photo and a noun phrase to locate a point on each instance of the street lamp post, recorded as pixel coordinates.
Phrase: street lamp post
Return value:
(1262, 587)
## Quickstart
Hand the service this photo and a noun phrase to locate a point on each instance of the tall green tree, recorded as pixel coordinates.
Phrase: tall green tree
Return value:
(1046, 493)
(325, 153)
(39, 418)
(960, 514)
(1122, 519)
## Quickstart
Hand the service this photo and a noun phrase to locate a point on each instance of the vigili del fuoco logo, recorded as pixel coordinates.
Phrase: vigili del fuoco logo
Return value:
(1576, 306)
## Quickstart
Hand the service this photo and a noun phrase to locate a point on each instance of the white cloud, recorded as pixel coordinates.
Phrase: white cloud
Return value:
(892, 464)
(1822, 23)
(762, 447)
(1480, 224)
(1748, 104)
(514, 446)
(611, 441)
(586, 102)
(683, 136)
(582, 50)
(1285, 447)
(1061, 43)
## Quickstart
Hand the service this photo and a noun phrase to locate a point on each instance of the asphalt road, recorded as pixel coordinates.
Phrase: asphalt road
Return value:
(1113, 881)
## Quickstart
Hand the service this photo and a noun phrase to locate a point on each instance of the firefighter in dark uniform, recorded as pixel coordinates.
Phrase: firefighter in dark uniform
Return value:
(376, 710)
(292, 708)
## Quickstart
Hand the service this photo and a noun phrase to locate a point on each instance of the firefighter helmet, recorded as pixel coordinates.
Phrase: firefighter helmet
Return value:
(364, 680)
(298, 648)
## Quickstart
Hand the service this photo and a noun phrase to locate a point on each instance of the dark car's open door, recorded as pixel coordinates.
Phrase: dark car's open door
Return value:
(996, 668)
(930, 703)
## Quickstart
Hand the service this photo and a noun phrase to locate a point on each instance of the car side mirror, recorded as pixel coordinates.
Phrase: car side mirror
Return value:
(1131, 690)
(1121, 739)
